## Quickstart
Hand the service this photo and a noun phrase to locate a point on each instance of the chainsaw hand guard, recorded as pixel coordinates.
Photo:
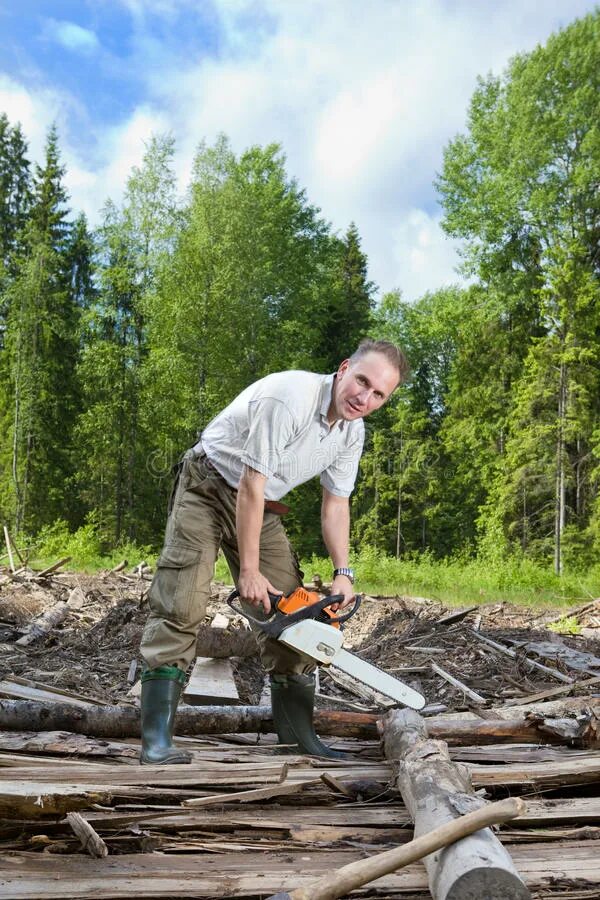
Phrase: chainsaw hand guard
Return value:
(299, 601)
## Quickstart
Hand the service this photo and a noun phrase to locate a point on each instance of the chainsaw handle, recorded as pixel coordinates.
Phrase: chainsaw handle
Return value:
(337, 598)
(274, 626)
(234, 595)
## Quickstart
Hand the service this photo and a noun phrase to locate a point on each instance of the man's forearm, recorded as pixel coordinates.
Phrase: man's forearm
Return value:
(249, 520)
(335, 526)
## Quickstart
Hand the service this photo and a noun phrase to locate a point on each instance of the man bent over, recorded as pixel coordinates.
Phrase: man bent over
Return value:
(278, 433)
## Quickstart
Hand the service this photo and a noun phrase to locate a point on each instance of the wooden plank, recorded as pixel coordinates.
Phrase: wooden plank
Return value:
(11, 561)
(57, 565)
(276, 790)
(84, 773)
(563, 689)
(211, 682)
(558, 651)
(37, 876)
(539, 775)
(26, 689)
(62, 743)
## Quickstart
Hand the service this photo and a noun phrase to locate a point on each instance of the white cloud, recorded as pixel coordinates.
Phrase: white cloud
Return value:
(362, 96)
(72, 36)
(422, 257)
(36, 110)
(122, 148)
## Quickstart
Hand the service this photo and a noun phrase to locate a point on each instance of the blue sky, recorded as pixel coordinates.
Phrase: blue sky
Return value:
(362, 95)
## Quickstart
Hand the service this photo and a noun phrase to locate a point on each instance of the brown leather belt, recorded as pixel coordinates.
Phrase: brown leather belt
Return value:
(274, 506)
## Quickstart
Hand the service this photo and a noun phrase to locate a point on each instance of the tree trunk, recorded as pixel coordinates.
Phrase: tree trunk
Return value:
(437, 791)
(123, 722)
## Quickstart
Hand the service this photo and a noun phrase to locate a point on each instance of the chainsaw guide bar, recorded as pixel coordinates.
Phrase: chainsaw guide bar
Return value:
(305, 623)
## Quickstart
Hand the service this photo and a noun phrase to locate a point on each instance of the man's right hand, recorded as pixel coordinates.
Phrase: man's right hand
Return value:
(254, 588)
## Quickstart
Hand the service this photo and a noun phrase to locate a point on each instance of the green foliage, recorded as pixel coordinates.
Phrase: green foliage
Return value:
(117, 349)
(86, 548)
(520, 187)
(461, 580)
(566, 625)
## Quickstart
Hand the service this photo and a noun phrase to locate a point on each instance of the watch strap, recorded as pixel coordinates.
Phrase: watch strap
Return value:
(349, 573)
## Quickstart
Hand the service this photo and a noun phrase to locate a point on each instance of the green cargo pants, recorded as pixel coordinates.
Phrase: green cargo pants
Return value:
(202, 520)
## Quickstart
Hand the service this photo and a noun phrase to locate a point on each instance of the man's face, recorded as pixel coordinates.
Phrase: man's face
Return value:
(362, 387)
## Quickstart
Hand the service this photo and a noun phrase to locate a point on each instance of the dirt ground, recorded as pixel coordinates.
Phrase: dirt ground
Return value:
(91, 652)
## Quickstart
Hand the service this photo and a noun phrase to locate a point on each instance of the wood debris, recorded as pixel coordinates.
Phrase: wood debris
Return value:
(257, 827)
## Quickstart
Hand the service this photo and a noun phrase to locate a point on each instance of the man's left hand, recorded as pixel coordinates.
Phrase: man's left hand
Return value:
(342, 585)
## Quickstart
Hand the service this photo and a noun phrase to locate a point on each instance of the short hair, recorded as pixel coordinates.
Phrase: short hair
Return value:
(392, 353)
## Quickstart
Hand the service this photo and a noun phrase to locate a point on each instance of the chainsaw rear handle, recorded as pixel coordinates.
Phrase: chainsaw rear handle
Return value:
(274, 625)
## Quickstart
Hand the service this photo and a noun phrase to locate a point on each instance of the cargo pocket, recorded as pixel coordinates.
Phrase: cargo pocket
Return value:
(179, 590)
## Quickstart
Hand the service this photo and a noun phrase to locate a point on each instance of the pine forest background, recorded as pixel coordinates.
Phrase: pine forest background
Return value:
(118, 345)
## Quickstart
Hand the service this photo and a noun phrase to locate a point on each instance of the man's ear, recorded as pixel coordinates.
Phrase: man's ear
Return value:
(343, 367)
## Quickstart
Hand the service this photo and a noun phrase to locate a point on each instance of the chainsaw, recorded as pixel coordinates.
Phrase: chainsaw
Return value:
(306, 623)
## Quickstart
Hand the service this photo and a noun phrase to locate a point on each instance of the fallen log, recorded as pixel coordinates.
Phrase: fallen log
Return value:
(123, 722)
(436, 790)
(340, 882)
(221, 643)
(44, 624)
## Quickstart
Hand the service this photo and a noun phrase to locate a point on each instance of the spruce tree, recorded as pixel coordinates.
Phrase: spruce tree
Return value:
(42, 346)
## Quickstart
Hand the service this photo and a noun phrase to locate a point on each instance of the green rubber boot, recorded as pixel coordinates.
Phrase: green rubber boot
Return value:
(293, 705)
(161, 689)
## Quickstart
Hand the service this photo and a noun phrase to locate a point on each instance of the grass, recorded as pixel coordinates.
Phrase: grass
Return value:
(452, 581)
(85, 548)
(460, 581)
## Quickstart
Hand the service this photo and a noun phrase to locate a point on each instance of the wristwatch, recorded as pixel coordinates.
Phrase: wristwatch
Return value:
(349, 573)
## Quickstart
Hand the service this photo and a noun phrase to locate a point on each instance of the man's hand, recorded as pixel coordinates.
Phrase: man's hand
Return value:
(342, 585)
(254, 588)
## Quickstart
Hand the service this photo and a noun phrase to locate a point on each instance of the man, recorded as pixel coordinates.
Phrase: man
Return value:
(277, 434)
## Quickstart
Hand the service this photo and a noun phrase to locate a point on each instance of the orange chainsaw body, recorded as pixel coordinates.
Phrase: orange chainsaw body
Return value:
(301, 598)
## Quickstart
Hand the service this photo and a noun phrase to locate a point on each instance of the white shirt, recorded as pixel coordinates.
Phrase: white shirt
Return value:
(279, 427)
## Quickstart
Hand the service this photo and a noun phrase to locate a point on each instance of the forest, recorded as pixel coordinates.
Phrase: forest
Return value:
(119, 343)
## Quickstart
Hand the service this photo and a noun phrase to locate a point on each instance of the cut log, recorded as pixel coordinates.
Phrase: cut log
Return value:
(123, 721)
(340, 882)
(436, 791)
(221, 643)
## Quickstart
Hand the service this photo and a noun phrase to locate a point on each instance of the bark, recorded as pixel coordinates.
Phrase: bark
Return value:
(44, 624)
(220, 643)
(437, 791)
(123, 722)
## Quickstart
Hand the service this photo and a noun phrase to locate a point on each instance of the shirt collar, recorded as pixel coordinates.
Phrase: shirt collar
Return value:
(326, 394)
